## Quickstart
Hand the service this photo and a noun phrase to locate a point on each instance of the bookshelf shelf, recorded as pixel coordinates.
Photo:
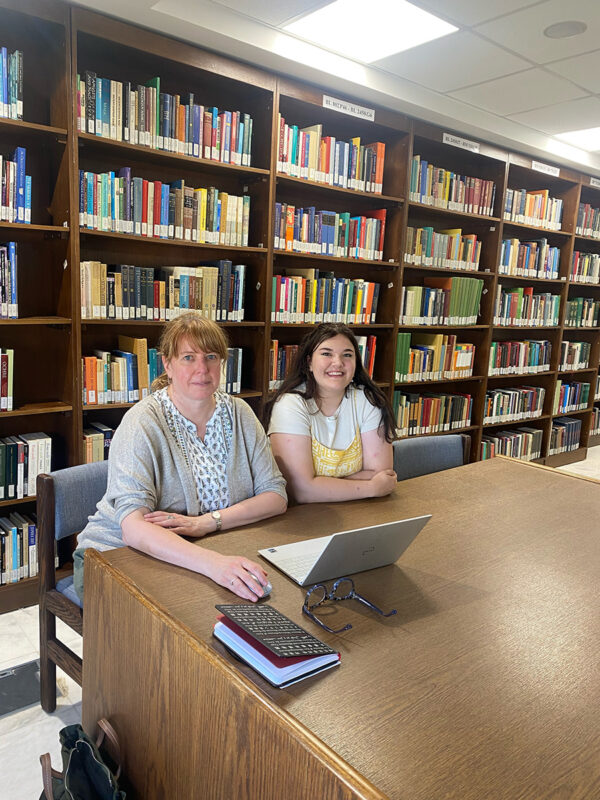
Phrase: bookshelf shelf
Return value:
(34, 409)
(151, 155)
(502, 278)
(22, 230)
(150, 323)
(278, 254)
(587, 370)
(535, 232)
(467, 273)
(31, 130)
(17, 501)
(300, 185)
(444, 213)
(198, 246)
(468, 378)
(354, 325)
(547, 373)
(425, 328)
(578, 412)
(36, 321)
(444, 433)
(524, 421)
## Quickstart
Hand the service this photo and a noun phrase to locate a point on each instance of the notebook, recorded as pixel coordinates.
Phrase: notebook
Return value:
(347, 552)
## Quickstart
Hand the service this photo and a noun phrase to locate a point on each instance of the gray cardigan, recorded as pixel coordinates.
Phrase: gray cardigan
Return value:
(146, 469)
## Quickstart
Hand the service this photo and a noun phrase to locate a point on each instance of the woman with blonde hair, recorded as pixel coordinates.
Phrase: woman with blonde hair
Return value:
(186, 461)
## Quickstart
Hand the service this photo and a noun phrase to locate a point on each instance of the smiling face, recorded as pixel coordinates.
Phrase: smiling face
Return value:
(194, 375)
(332, 364)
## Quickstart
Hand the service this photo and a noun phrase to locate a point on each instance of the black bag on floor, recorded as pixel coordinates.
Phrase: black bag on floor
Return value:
(85, 775)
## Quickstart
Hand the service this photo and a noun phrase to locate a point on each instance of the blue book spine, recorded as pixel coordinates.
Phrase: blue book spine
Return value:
(196, 130)
(99, 107)
(82, 208)
(184, 291)
(103, 222)
(114, 212)
(105, 107)
(92, 222)
(164, 211)
(19, 159)
(13, 308)
(131, 390)
(28, 199)
(4, 84)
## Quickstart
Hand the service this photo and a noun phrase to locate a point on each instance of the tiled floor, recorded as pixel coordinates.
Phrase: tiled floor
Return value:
(25, 734)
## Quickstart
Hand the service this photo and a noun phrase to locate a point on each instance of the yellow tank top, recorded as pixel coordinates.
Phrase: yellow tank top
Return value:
(337, 463)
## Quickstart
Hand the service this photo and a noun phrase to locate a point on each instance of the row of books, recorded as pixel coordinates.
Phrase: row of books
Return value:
(595, 423)
(432, 357)
(441, 301)
(9, 302)
(588, 221)
(565, 435)
(442, 188)
(570, 397)
(281, 359)
(521, 306)
(526, 357)
(121, 376)
(585, 267)
(123, 291)
(515, 403)
(574, 355)
(97, 438)
(306, 153)
(431, 413)
(310, 295)
(450, 248)
(11, 83)
(121, 203)
(524, 443)
(15, 188)
(7, 370)
(533, 207)
(329, 233)
(18, 547)
(143, 115)
(533, 259)
(582, 312)
(22, 459)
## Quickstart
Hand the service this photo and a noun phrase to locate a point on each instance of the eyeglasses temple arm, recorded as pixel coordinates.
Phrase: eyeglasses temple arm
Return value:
(368, 603)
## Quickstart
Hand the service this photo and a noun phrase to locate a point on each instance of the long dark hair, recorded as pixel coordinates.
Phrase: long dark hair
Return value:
(301, 374)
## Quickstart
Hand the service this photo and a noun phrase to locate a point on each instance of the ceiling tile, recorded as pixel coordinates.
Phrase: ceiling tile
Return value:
(572, 116)
(523, 31)
(582, 70)
(277, 14)
(522, 91)
(471, 12)
(452, 62)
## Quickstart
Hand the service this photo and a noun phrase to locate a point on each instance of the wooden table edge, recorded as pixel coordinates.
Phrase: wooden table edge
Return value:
(531, 464)
(357, 783)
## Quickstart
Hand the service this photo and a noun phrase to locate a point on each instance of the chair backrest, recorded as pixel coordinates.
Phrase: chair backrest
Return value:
(77, 490)
(422, 455)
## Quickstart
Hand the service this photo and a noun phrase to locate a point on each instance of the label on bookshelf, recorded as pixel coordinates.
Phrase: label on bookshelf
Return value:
(547, 168)
(343, 107)
(595, 182)
(458, 141)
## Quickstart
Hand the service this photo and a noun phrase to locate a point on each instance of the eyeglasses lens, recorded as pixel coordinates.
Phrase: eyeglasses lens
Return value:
(315, 597)
(342, 589)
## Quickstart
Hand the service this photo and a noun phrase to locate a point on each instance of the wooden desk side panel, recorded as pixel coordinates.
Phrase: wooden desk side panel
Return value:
(214, 736)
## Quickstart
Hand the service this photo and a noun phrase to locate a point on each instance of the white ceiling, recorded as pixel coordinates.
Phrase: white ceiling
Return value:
(498, 78)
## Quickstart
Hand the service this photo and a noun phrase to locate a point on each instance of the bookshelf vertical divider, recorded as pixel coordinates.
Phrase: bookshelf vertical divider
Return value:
(52, 334)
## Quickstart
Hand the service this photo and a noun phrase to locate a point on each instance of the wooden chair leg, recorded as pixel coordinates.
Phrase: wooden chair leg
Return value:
(47, 666)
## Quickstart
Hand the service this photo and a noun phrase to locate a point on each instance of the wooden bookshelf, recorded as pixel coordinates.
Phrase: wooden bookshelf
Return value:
(59, 42)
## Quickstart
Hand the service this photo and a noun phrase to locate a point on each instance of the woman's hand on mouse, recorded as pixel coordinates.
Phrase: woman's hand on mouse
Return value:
(241, 576)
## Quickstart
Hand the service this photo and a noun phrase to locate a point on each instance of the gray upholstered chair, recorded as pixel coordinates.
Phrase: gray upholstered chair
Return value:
(65, 500)
(421, 455)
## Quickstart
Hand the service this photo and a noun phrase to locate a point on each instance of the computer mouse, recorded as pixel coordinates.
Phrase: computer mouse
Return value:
(266, 589)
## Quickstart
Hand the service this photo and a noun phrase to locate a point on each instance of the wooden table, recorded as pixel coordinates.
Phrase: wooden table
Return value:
(484, 686)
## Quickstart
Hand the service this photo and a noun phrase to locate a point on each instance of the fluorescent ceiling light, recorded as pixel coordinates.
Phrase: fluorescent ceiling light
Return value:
(587, 139)
(369, 31)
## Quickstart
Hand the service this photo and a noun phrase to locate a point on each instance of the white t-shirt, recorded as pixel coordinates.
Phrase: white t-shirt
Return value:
(293, 414)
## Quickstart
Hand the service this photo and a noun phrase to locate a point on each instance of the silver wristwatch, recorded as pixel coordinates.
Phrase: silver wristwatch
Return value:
(216, 515)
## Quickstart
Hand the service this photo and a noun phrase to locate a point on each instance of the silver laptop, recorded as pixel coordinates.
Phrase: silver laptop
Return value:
(344, 553)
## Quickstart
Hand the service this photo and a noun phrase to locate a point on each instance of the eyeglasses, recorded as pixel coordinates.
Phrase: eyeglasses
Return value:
(342, 589)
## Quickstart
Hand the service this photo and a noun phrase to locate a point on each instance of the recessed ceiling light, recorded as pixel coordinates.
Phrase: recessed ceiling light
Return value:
(368, 32)
(563, 30)
(587, 139)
